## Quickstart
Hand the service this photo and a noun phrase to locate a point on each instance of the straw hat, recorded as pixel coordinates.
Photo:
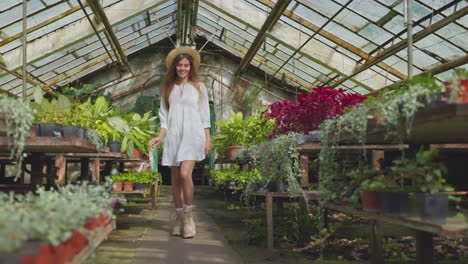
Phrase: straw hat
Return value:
(183, 50)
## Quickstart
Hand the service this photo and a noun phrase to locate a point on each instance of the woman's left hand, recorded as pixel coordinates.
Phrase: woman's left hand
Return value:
(207, 148)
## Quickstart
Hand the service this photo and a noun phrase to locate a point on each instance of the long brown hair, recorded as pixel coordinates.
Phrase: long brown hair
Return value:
(171, 77)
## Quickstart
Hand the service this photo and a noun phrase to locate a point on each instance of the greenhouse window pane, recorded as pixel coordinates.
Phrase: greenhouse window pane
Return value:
(346, 34)
(371, 9)
(310, 15)
(375, 33)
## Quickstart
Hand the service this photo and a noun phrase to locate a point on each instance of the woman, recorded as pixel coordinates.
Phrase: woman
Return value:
(185, 124)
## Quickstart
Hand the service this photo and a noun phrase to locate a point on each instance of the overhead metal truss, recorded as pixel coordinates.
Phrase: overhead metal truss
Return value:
(305, 44)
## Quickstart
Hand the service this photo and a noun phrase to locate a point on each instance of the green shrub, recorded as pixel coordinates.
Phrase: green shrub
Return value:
(140, 177)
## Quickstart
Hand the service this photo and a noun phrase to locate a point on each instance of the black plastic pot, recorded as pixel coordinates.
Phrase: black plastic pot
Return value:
(74, 131)
(433, 207)
(114, 146)
(49, 130)
(140, 186)
(230, 185)
(275, 186)
(395, 203)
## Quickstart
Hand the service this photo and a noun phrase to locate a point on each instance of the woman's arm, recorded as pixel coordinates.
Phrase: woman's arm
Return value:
(163, 125)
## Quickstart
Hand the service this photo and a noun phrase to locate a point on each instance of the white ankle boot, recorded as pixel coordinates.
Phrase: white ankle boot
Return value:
(189, 225)
(177, 228)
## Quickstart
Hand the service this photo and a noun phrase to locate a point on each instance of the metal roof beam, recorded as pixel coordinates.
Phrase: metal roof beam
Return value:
(270, 21)
(112, 38)
(180, 23)
(194, 16)
(95, 29)
(402, 44)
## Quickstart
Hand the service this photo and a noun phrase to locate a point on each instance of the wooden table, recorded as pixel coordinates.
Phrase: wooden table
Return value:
(453, 228)
(308, 195)
(42, 150)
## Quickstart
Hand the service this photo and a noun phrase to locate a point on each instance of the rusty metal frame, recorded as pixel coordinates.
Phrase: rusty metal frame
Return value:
(95, 29)
(112, 38)
(270, 21)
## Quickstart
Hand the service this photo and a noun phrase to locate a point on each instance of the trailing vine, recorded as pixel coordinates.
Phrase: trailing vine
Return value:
(18, 118)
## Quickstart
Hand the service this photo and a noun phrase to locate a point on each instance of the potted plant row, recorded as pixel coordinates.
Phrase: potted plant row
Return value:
(128, 181)
(122, 132)
(40, 234)
(388, 189)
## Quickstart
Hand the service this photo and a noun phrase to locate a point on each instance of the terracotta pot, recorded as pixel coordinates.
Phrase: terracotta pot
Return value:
(137, 154)
(118, 186)
(128, 186)
(231, 150)
(371, 201)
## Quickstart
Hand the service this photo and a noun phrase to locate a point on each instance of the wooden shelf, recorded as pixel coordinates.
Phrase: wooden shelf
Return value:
(453, 228)
(311, 195)
(50, 144)
(438, 124)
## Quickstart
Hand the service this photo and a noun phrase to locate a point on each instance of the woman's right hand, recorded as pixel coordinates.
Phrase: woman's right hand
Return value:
(155, 141)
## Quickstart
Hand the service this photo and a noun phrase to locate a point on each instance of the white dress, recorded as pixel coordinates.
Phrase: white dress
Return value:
(185, 122)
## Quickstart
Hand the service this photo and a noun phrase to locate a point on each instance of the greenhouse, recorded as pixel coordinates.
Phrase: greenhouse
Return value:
(233, 131)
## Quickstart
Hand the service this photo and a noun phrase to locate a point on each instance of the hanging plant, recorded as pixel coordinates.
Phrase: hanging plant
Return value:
(18, 117)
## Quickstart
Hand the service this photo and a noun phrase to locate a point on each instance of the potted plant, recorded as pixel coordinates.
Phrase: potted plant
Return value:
(239, 132)
(369, 184)
(117, 182)
(429, 181)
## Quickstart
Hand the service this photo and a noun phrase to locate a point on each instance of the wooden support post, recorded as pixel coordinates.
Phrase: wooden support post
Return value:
(376, 252)
(2, 172)
(154, 194)
(269, 216)
(96, 173)
(85, 169)
(424, 248)
(304, 163)
(36, 168)
(377, 158)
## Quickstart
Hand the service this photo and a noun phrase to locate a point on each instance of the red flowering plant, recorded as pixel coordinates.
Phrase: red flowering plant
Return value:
(311, 109)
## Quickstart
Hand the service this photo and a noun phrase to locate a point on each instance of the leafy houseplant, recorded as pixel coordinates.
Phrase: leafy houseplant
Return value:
(240, 131)
(17, 117)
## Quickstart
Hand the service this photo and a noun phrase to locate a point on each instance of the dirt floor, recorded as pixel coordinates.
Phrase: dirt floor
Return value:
(245, 232)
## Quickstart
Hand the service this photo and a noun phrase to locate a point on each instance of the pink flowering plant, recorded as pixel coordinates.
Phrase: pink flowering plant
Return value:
(311, 109)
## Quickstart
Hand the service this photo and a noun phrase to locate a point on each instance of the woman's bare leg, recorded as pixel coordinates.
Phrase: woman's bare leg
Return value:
(185, 174)
(177, 190)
